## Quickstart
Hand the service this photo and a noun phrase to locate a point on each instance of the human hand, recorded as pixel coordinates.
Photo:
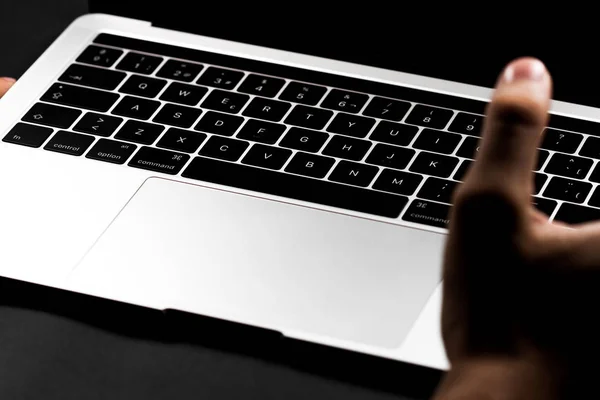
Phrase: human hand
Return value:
(5, 84)
(520, 294)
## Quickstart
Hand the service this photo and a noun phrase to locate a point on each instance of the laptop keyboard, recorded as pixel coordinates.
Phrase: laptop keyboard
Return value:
(343, 142)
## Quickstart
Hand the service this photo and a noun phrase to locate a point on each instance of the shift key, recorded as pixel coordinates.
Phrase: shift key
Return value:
(156, 160)
(428, 213)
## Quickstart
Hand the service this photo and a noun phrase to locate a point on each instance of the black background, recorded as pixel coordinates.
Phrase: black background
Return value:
(57, 345)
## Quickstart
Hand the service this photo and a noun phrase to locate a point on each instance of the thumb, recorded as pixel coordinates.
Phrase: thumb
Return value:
(516, 117)
(5, 84)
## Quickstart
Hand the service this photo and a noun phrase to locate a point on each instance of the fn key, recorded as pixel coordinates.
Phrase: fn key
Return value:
(28, 135)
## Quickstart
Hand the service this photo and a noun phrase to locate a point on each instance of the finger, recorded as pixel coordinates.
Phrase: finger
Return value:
(569, 246)
(5, 84)
(516, 116)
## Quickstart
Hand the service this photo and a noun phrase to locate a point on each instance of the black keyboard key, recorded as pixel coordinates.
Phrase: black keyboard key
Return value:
(261, 131)
(595, 176)
(181, 140)
(260, 85)
(304, 139)
(469, 148)
(469, 124)
(111, 151)
(27, 135)
(351, 125)
(135, 107)
(310, 165)
(101, 56)
(438, 141)
(591, 148)
(434, 164)
(180, 116)
(353, 173)
(431, 117)
(157, 160)
(224, 148)
(270, 157)
(221, 124)
(393, 110)
(542, 156)
(574, 214)
(184, 94)
(538, 182)
(95, 77)
(70, 143)
(390, 156)
(569, 166)
(398, 134)
(428, 213)
(595, 199)
(98, 124)
(546, 206)
(139, 132)
(220, 78)
(347, 147)
(47, 114)
(303, 93)
(567, 190)
(296, 187)
(180, 70)
(308, 117)
(342, 100)
(563, 141)
(436, 189)
(225, 101)
(462, 170)
(144, 86)
(398, 182)
(271, 110)
(80, 97)
(140, 63)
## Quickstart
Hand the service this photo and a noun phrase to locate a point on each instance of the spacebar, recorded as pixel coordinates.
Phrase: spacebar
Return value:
(295, 187)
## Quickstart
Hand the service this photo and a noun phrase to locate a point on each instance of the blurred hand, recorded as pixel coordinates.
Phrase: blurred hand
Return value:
(5, 84)
(521, 295)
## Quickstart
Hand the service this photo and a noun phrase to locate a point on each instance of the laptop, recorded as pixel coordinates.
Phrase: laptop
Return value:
(293, 174)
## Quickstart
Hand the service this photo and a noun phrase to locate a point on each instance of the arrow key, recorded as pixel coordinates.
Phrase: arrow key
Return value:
(98, 124)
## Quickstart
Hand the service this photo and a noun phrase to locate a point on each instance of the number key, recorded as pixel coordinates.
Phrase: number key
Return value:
(431, 117)
(345, 101)
(179, 70)
(469, 124)
(303, 93)
(393, 110)
(221, 78)
(261, 85)
(139, 63)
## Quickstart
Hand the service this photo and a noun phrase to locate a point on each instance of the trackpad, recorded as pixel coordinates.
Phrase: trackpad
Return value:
(266, 263)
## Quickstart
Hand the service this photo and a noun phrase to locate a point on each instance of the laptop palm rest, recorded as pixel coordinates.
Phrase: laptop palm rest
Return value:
(266, 263)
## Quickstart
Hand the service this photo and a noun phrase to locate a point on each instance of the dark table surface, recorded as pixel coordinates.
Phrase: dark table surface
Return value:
(56, 345)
